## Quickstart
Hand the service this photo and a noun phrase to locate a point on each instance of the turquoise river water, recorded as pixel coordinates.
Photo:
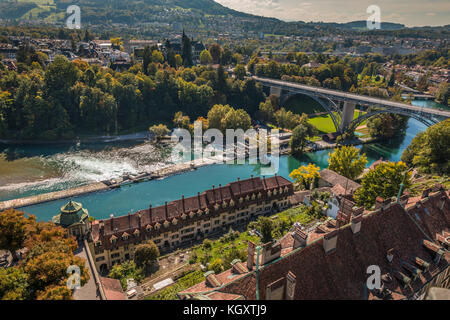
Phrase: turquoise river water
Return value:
(60, 166)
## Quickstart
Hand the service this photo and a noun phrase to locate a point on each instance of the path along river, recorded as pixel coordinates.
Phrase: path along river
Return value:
(34, 169)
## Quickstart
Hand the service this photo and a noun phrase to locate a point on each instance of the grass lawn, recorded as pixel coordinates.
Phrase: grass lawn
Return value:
(219, 248)
(325, 124)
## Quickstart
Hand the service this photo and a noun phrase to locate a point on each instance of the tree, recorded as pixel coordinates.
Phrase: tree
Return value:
(443, 94)
(236, 119)
(126, 270)
(171, 60)
(186, 50)
(50, 268)
(383, 181)
(13, 284)
(14, 229)
(265, 228)
(145, 254)
(216, 114)
(301, 58)
(266, 111)
(159, 130)
(300, 135)
(429, 151)
(347, 161)
(157, 57)
(178, 60)
(216, 52)
(181, 121)
(306, 176)
(55, 293)
(240, 72)
(205, 57)
(387, 125)
(147, 59)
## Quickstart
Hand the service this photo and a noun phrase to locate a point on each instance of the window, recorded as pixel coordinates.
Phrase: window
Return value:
(115, 255)
(99, 259)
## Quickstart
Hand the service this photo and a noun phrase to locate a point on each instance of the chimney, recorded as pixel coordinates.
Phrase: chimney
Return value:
(250, 255)
(300, 238)
(378, 202)
(211, 279)
(139, 220)
(290, 285)
(356, 224)
(129, 219)
(112, 221)
(330, 241)
(382, 203)
(442, 202)
(426, 192)
(167, 214)
(199, 202)
(404, 198)
(390, 255)
(182, 201)
(102, 227)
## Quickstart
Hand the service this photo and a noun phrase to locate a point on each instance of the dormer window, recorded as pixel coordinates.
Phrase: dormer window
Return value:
(247, 198)
(174, 221)
(166, 224)
(125, 236)
(148, 228)
(275, 191)
(207, 211)
(224, 204)
(98, 243)
(113, 239)
(259, 195)
(192, 214)
(216, 207)
(136, 233)
(269, 193)
(232, 203)
(253, 197)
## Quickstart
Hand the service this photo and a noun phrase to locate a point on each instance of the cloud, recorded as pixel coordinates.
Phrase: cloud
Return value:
(409, 12)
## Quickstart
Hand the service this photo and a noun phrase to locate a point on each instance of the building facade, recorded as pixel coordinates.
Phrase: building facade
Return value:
(184, 221)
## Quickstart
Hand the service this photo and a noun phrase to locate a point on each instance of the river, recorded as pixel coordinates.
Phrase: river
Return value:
(33, 169)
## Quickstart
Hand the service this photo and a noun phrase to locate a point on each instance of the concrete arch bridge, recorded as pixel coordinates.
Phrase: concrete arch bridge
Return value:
(341, 105)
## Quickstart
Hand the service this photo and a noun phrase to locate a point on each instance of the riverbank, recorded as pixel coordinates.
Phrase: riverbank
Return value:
(144, 135)
(107, 184)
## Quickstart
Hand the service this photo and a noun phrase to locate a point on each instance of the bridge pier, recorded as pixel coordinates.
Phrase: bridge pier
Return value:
(276, 91)
(347, 114)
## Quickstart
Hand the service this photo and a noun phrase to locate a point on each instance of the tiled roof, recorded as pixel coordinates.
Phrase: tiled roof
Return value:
(175, 214)
(342, 273)
(113, 289)
(335, 178)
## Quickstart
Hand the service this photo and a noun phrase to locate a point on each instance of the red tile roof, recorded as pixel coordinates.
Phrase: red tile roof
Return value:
(342, 274)
(172, 216)
(113, 289)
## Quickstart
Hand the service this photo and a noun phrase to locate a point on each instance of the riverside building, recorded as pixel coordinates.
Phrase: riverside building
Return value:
(181, 222)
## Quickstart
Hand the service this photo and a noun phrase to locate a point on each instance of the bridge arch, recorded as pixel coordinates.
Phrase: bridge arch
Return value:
(356, 122)
(327, 105)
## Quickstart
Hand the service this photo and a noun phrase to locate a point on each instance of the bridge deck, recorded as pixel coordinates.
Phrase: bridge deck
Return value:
(358, 99)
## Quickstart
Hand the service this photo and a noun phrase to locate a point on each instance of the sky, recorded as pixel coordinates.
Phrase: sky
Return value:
(408, 12)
